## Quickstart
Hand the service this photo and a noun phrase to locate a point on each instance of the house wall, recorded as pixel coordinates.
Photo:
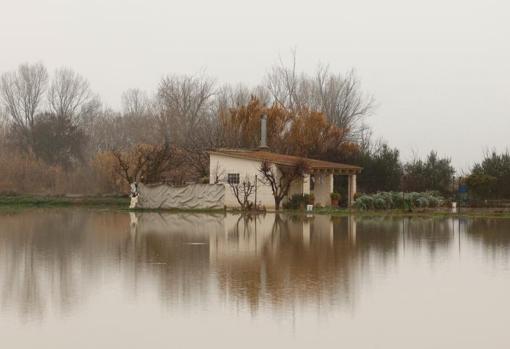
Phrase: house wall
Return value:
(220, 166)
(301, 186)
(242, 238)
(323, 187)
(322, 227)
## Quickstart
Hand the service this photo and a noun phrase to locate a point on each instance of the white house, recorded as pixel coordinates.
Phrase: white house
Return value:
(229, 167)
(235, 165)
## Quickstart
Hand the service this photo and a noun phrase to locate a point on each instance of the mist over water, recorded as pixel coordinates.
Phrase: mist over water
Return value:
(89, 278)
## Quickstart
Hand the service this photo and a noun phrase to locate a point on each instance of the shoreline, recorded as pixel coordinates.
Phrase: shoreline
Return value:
(50, 201)
(10, 202)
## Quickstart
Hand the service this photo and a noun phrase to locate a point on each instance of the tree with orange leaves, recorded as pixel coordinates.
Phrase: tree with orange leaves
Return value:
(240, 126)
(311, 134)
(303, 132)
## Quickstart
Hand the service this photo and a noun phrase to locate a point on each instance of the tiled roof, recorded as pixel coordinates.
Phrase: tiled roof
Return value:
(286, 160)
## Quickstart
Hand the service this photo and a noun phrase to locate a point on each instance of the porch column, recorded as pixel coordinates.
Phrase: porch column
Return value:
(306, 184)
(351, 190)
(306, 233)
(351, 229)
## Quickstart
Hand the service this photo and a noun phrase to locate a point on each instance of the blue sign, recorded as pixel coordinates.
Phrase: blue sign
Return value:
(463, 189)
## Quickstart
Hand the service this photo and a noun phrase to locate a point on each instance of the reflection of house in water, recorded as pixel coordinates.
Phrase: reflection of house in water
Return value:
(231, 237)
(266, 258)
(58, 260)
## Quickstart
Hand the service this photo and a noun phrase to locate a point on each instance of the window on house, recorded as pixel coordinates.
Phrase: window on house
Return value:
(233, 178)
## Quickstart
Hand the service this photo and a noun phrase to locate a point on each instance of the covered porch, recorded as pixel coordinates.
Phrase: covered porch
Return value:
(320, 183)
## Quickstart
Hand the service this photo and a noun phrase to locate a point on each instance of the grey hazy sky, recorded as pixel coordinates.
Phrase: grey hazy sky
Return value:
(439, 69)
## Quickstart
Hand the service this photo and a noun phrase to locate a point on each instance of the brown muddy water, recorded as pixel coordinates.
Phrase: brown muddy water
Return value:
(76, 278)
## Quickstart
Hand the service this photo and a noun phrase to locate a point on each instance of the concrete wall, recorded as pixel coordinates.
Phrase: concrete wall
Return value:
(221, 166)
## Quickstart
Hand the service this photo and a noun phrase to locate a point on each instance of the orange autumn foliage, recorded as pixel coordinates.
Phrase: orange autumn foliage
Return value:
(240, 127)
(304, 132)
(312, 134)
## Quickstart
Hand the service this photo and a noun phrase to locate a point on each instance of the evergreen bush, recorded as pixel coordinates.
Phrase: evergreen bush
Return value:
(398, 200)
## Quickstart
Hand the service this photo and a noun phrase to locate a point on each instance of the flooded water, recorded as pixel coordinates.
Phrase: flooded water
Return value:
(74, 278)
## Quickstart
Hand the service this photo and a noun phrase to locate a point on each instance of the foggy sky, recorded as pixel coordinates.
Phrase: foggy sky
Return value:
(438, 69)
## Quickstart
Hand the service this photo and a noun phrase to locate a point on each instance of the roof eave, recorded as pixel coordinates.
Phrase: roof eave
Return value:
(348, 168)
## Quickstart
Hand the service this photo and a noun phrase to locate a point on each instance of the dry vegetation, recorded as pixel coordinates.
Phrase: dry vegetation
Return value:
(57, 137)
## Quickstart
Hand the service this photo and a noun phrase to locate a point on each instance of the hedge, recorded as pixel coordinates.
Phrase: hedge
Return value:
(398, 200)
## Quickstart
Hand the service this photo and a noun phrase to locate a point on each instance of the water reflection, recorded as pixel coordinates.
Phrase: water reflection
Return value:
(493, 233)
(53, 261)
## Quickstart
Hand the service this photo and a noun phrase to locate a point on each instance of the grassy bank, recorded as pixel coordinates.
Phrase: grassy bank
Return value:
(21, 201)
(420, 212)
(425, 212)
(8, 202)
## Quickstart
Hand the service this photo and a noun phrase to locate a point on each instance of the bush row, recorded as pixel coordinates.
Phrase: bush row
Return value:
(398, 200)
(298, 201)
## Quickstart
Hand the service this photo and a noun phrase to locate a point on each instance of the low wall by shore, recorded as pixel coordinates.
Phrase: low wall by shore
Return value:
(193, 196)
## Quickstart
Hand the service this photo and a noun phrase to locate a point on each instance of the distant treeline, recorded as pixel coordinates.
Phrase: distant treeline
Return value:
(56, 136)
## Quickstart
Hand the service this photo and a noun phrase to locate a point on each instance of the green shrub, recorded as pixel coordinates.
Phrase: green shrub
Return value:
(380, 204)
(398, 200)
(364, 202)
(422, 202)
(335, 196)
(298, 201)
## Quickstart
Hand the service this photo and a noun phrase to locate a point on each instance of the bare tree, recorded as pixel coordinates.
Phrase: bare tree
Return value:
(112, 130)
(184, 102)
(243, 191)
(284, 84)
(107, 132)
(340, 98)
(217, 173)
(21, 93)
(186, 117)
(280, 178)
(145, 163)
(135, 102)
(237, 96)
(69, 92)
(3, 129)
(337, 96)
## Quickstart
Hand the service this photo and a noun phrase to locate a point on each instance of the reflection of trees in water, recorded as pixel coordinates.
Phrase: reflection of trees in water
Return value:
(46, 256)
(54, 259)
(327, 266)
(306, 261)
(419, 232)
(177, 264)
(172, 250)
(376, 235)
(493, 233)
(433, 234)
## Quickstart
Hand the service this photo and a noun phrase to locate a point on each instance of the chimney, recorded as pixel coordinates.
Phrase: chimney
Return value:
(263, 132)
